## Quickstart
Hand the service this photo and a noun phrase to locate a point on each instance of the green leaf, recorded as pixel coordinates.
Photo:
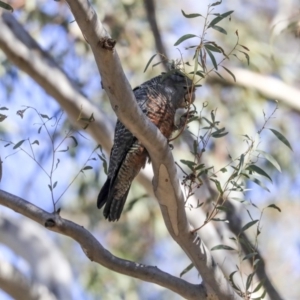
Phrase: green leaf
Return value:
(74, 139)
(200, 53)
(270, 158)
(39, 131)
(190, 15)
(228, 13)
(281, 137)
(256, 262)
(183, 38)
(44, 116)
(212, 48)
(249, 280)
(156, 64)
(188, 268)
(219, 75)
(201, 166)
(274, 206)
(188, 163)
(21, 112)
(236, 56)
(219, 18)
(204, 171)
(103, 159)
(248, 225)
(86, 168)
(193, 119)
(50, 188)
(2, 117)
(238, 199)
(229, 72)
(247, 56)
(209, 122)
(222, 207)
(57, 163)
(212, 59)
(55, 184)
(17, 145)
(248, 212)
(149, 62)
(218, 135)
(219, 220)
(3, 108)
(259, 171)
(221, 247)
(213, 117)
(191, 47)
(223, 170)
(65, 150)
(241, 164)
(258, 182)
(232, 281)
(218, 47)
(91, 118)
(244, 47)
(263, 295)
(216, 3)
(250, 255)
(219, 28)
(218, 185)
(196, 61)
(6, 6)
(35, 142)
(247, 244)
(201, 74)
(195, 147)
(259, 286)
(132, 203)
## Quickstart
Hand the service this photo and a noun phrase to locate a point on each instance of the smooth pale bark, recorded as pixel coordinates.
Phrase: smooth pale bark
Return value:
(97, 253)
(19, 286)
(268, 86)
(48, 266)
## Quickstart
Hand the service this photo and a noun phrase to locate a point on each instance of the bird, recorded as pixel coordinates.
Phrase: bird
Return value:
(158, 98)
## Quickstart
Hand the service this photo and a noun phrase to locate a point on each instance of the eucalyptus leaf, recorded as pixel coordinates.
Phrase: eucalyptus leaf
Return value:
(190, 15)
(183, 38)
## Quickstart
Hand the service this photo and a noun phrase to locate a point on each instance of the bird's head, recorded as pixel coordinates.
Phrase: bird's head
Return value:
(180, 87)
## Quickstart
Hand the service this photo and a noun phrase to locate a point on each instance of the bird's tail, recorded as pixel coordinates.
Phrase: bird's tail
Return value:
(113, 205)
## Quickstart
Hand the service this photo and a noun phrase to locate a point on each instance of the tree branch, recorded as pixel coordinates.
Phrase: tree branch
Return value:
(17, 285)
(268, 86)
(26, 54)
(160, 48)
(22, 50)
(96, 252)
(27, 240)
(166, 184)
